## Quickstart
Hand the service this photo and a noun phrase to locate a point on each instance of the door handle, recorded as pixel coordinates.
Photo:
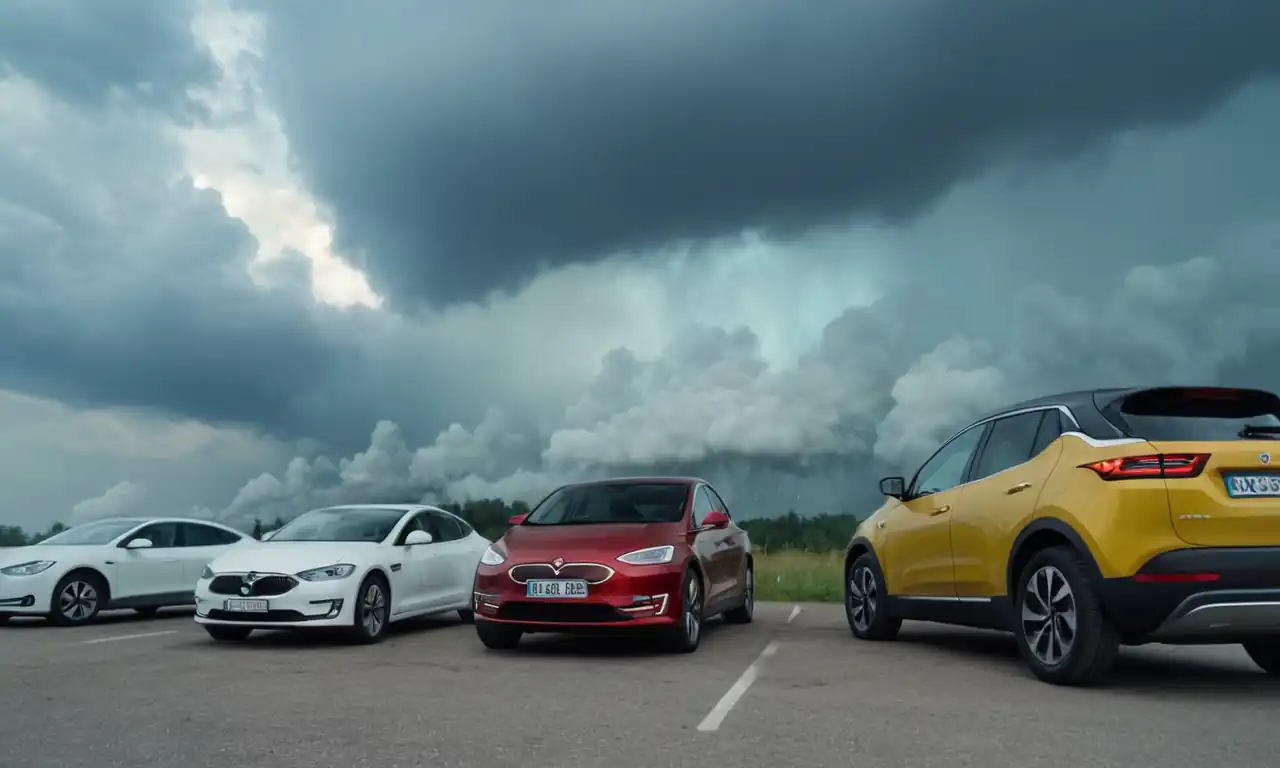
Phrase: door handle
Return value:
(942, 510)
(1019, 488)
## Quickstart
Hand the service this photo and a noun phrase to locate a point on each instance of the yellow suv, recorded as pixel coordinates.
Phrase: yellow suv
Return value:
(1086, 521)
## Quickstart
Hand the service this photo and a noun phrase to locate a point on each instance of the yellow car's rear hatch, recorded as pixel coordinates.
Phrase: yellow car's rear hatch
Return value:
(1218, 450)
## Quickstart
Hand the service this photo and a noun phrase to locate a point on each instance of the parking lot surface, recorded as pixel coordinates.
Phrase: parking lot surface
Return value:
(793, 688)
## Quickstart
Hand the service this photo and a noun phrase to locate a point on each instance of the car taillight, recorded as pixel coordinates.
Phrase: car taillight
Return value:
(1154, 465)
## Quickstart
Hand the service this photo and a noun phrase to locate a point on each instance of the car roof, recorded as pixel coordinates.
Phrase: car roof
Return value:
(149, 520)
(646, 479)
(390, 507)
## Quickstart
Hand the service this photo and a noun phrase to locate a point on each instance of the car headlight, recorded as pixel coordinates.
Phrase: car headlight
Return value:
(650, 555)
(28, 569)
(207, 573)
(492, 556)
(328, 573)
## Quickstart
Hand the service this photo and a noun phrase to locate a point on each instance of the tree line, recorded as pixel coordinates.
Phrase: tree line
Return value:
(819, 533)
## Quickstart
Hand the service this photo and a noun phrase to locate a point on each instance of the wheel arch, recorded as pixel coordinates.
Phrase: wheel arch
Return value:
(1038, 535)
(860, 546)
(93, 572)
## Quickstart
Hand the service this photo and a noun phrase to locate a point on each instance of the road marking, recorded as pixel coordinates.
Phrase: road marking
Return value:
(128, 637)
(735, 693)
(795, 611)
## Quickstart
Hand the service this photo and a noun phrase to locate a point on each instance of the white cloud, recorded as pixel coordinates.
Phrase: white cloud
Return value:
(123, 498)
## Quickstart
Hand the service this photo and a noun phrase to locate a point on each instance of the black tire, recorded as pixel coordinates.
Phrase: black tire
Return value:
(1266, 654)
(1084, 657)
(4, 618)
(685, 635)
(865, 607)
(77, 599)
(497, 636)
(149, 611)
(744, 613)
(372, 614)
(225, 634)
(468, 616)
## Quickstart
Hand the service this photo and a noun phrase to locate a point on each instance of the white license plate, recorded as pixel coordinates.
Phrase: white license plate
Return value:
(246, 606)
(573, 588)
(1244, 486)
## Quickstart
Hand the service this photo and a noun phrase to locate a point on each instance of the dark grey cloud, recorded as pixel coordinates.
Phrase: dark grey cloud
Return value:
(85, 51)
(474, 142)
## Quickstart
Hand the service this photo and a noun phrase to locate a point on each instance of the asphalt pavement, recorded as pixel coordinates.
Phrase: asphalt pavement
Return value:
(791, 689)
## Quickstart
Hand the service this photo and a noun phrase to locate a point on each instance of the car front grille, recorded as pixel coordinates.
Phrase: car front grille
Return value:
(592, 573)
(264, 586)
(574, 613)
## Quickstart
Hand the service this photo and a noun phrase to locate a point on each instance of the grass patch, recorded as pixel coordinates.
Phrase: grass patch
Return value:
(792, 575)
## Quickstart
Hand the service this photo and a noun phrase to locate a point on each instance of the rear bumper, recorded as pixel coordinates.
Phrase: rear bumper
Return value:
(1199, 596)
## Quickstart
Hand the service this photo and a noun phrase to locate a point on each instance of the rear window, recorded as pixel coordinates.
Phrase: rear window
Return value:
(1185, 413)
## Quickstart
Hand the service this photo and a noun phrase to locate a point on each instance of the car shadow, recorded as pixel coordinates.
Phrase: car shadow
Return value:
(604, 645)
(319, 638)
(1134, 673)
(105, 619)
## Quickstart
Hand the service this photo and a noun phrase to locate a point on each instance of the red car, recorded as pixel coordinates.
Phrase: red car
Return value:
(655, 554)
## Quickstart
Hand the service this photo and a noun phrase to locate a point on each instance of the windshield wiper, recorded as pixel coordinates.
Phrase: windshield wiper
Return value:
(1268, 432)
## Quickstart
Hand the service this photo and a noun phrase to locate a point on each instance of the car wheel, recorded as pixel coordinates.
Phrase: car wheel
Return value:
(372, 611)
(148, 612)
(78, 599)
(864, 601)
(224, 634)
(744, 613)
(1266, 654)
(687, 633)
(497, 636)
(4, 618)
(1061, 630)
(467, 616)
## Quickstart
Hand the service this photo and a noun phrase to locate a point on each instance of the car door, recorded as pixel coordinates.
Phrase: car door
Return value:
(707, 546)
(409, 565)
(199, 544)
(151, 572)
(732, 549)
(1015, 460)
(916, 555)
(457, 567)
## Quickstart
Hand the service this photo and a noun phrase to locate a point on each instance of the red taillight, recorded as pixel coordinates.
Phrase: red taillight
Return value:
(1153, 465)
(1174, 578)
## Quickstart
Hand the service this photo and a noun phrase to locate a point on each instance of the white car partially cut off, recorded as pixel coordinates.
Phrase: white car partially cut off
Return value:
(139, 563)
(357, 568)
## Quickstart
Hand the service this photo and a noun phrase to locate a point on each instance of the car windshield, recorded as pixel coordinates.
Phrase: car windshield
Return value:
(612, 503)
(370, 524)
(90, 534)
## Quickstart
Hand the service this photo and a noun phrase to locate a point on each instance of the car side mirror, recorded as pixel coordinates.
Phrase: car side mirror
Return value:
(894, 487)
(417, 537)
(516, 519)
(715, 520)
(140, 544)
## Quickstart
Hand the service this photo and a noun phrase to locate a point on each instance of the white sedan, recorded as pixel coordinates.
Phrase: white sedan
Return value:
(138, 563)
(357, 568)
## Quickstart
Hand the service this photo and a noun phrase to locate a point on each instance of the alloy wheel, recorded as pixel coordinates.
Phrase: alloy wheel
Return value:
(77, 601)
(1049, 616)
(692, 611)
(750, 598)
(862, 598)
(373, 607)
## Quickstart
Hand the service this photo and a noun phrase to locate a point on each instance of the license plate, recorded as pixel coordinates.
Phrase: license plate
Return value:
(557, 588)
(246, 606)
(1246, 486)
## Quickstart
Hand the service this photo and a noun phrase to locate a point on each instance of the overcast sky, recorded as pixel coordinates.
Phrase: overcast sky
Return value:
(261, 256)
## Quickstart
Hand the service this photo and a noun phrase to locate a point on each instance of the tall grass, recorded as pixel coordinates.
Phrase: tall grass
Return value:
(798, 576)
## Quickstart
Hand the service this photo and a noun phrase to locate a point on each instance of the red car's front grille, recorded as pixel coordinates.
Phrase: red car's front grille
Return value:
(574, 613)
(592, 573)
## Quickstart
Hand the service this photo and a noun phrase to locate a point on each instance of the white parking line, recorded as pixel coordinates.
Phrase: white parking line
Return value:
(795, 611)
(735, 693)
(128, 637)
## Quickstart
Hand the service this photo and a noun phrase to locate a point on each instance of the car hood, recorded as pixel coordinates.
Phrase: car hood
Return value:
(603, 541)
(291, 556)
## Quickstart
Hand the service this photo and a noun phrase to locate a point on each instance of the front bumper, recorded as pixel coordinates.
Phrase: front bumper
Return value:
(1203, 595)
(634, 598)
(28, 595)
(307, 605)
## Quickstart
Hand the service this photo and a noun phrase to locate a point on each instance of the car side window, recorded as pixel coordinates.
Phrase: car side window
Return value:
(1009, 443)
(717, 503)
(197, 535)
(1050, 430)
(701, 505)
(447, 525)
(946, 468)
(162, 535)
